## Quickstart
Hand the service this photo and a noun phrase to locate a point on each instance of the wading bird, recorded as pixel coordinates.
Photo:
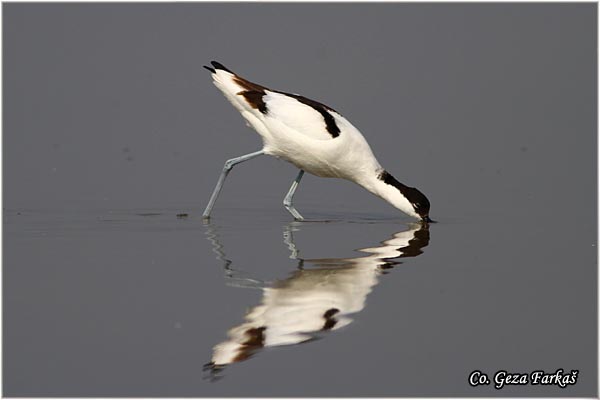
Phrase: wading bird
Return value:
(313, 137)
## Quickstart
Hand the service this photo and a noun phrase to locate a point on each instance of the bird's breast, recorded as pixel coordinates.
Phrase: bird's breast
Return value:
(329, 159)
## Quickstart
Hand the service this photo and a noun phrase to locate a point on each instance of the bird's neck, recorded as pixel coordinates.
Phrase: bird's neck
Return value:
(382, 184)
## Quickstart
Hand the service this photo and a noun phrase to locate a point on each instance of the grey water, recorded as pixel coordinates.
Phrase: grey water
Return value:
(113, 138)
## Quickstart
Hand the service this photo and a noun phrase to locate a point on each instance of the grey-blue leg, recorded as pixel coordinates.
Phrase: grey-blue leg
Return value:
(287, 202)
(226, 168)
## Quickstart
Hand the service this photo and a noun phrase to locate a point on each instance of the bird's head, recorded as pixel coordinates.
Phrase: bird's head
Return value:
(420, 204)
(408, 199)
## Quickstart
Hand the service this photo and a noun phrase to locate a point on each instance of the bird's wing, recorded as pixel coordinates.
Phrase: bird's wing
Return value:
(298, 113)
(303, 115)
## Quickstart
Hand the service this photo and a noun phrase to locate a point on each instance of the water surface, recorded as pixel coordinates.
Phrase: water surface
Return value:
(133, 302)
(111, 129)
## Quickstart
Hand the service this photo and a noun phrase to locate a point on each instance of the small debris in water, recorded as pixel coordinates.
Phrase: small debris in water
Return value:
(182, 215)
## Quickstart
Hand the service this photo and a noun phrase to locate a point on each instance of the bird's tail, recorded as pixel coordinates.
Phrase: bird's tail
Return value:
(217, 66)
(243, 94)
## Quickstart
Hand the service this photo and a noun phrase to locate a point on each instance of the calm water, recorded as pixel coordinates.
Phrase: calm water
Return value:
(112, 128)
(133, 302)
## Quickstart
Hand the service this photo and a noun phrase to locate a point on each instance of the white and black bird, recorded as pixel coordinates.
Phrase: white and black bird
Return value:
(313, 137)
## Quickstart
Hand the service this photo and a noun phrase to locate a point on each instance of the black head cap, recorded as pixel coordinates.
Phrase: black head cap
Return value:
(417, 199)
(419, 202)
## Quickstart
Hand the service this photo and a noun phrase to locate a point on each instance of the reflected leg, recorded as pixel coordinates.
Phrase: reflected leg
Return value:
(287, 202)
(233, 277)
(288, 239)
(226, 168)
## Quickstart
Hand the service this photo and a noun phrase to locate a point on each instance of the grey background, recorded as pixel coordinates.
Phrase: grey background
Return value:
(111, 127)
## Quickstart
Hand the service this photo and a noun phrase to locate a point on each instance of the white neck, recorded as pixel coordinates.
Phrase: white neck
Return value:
(374, 182)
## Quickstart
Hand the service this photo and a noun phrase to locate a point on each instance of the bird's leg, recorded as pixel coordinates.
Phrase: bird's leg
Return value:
(226, 168)
(287, 202)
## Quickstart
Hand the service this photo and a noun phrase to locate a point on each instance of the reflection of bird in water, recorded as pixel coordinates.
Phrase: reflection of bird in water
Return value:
(315, 299)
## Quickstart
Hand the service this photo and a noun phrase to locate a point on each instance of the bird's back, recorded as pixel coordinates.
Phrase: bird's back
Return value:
(309, 134)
